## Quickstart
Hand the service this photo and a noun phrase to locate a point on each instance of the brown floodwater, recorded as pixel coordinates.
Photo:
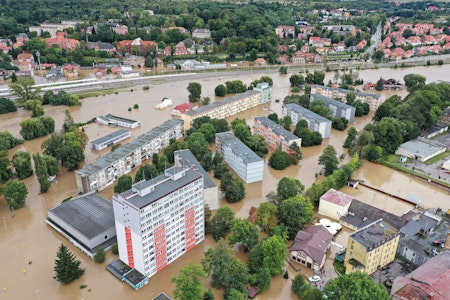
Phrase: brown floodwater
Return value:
(24, 235)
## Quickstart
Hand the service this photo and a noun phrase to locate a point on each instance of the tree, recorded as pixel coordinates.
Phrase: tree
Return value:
(23, 88)
(350, 98)
(22, 163)
(208, 131)
(414, 82)
(286, 122)
(15, 194)
(232, 187)
(220, 90)
(5, 171)
(123, 184)
(356, 285)
(295, 153)
(67, 267)
(280, 160)
(8, 141)
(379, 86)
(221, 222)
(266, 216)
(6, 106)
(388, 134)
(36, 127)
(197, 144)
(208, 295)
(351, 136)
(299, 285)
(188, 285)
(195, 91)
(295, 213)
(146, 172)
(339, 123)
(245, 232)
(100, 255)
(273, 251)
(69, 124)
(329, 160)
(289, 187)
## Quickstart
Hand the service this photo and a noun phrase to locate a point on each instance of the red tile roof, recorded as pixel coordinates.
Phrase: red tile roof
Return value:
(336, 197)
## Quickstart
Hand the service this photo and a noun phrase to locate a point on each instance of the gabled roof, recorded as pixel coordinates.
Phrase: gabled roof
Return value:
(314, 241)
(337, 197)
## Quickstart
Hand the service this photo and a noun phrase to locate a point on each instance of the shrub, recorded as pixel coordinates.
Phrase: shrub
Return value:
(100, 256)
(146, 88)
(136, 106)
(115, 249)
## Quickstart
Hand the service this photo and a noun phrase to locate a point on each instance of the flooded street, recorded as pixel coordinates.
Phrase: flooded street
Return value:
(24, 236)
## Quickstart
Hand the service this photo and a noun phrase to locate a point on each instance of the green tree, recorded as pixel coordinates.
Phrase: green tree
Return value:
(299, 285)
(67, 267)
(123, 184)
(319, 107)
(388, 134)
(266, 216)
(295, 153)
(221, 222)
(188, 285)
(195, 91)
(286, 122)
(208, 131)
(208, 295)
(22, 163)
(24, 90)
(414, 82)
(295, 213)
(220, 169)
(69, 124)
(245, 232)
(379, 86)
(329, 160)
(146, 172)
(262, 279)
(289, 187)
(280, 160)
(8, 141)
(232, 187)
(351, 136)
(15, 194)
(220, 90)
(350, 98)
(5, 163)
(356, 285)
(274, 253)
(6, 106)
(100, 255)
(197, 144)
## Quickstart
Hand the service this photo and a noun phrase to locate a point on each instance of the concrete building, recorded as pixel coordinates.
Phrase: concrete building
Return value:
(338, 108)
(247, 165)
(315, 122)
(421, 149)
(334, 204)
(338, 93)
(159, 220)
(102, 173)
(371, 247)
(201, 33)
(274, 134)
(112, 120)
(429, 281)
(230, 106)
(311, 246)
(185, 158)
(87, 222)
(110, 139)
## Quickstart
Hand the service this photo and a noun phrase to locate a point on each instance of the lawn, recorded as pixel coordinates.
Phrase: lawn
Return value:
(437, 158)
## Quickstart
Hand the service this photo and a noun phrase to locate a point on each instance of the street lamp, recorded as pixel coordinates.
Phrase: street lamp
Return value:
(38, 55)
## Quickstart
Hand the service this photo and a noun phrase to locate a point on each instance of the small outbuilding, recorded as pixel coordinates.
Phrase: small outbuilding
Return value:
(421, 149)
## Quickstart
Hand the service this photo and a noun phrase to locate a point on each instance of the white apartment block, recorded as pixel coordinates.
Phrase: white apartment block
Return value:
(105, 170)
(230, 106)
(315, 122)
(338, 109)
(337, 93)
(247, 165)
(274, 134)
(159, 220)
(53, 28)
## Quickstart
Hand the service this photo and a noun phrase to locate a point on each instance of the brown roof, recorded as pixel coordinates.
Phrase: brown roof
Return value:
(337, 197)
(314, 241)
(410, 292)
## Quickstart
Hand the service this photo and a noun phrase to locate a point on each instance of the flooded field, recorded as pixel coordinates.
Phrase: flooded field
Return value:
(24, 236)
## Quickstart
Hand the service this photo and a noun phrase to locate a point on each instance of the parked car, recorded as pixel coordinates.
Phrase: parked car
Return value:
(314, 279)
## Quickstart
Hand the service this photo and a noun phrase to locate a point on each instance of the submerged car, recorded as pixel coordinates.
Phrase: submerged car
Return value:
(314, 278)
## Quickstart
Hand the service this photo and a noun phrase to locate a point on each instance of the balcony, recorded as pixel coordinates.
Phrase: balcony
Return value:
(357, 264)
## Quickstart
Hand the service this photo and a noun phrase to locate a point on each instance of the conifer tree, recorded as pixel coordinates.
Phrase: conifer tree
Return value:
(67, 267)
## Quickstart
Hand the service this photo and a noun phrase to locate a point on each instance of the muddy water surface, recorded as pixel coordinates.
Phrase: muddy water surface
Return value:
(24, 236)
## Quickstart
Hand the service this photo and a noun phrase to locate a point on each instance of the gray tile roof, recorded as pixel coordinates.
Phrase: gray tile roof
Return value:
(329, 100)
(277, 128)
(90, 214)
(374, 234)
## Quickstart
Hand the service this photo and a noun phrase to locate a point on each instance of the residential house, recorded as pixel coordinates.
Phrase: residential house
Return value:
(315, 121)
(275, 135)
(283, 59)
(260, 62)
(101, 46)
(5, 45)
(120, 29)
(201, 33)
(392, 84)
(285, 31)
(338, 109)
(62, 42)
(180, 49)
(282, 48)
(319, 42)
(71, 70)
(361, 45)
(428, 281)
(371, 247)
(53, 28)
(334, 204)
(310, 247)
(414, 40)
(21, 38)
(300, 57)
(25, 61)
(136, 46)
(415, 249)
(445, 117)
(134, 60)
(241, 159)
(180, 109)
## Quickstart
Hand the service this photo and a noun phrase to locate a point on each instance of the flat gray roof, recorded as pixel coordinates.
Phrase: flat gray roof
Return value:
(117, 118)
(127, 148)
(162, 184)
(187, 159)
(108, 137)
(374, 234)
(238, 147)
(307, 113)
(219, 103)
(90, 214)
(329, 100)
(277, 128)
(423, 147)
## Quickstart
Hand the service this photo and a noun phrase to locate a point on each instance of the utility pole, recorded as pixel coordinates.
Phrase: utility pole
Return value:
(38, 55)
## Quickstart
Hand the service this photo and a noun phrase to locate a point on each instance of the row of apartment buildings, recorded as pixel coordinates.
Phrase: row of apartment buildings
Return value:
(338, 109)
(339, 93)
(315, 121)
(261, 94)
(102, 173)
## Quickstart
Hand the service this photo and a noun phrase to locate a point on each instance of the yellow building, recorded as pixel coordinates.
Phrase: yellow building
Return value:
(371, 247)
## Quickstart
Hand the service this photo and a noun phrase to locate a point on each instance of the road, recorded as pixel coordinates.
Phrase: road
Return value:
(375, 41)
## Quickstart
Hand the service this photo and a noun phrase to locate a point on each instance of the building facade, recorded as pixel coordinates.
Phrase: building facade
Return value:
(334, 204)
(247, 165)
(338, 93)
(371, 247)
(105, 170)
(110, 139)
(315, 122)
(274, 134)
(230, 106)
(338, 108)
(159, 220)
